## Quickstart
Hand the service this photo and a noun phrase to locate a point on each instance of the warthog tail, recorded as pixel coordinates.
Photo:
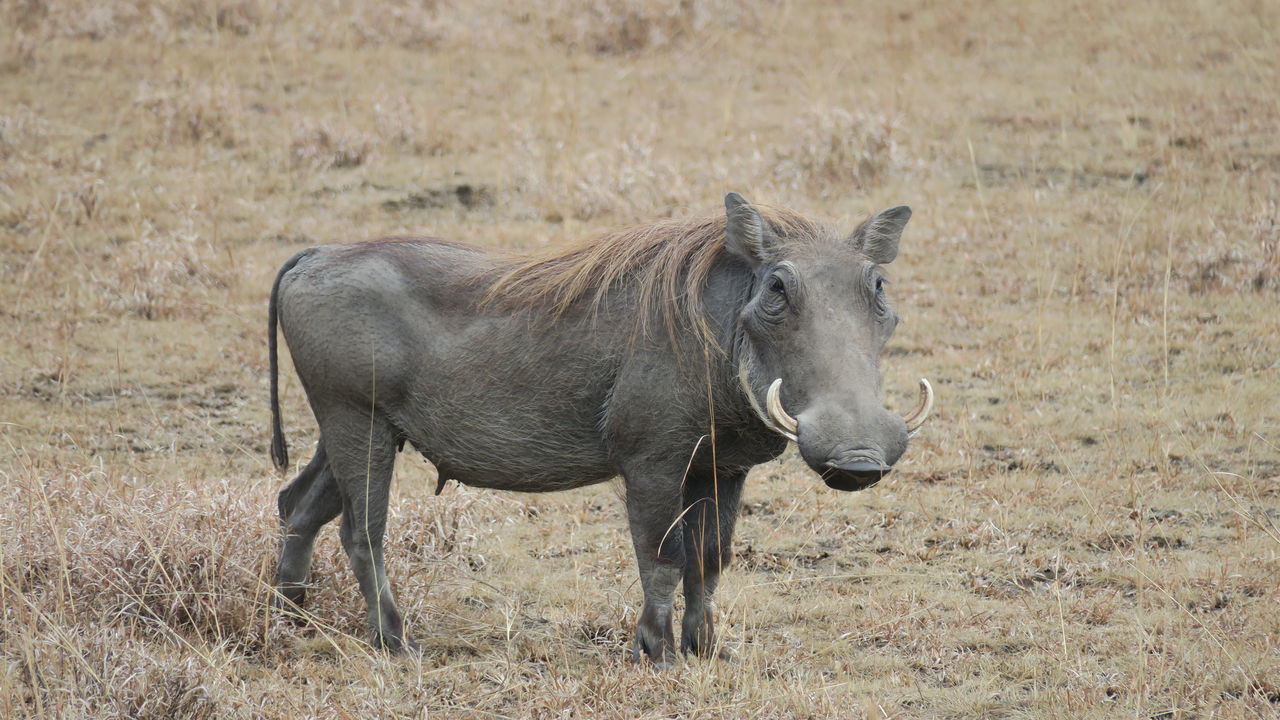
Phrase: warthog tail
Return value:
(279, 449)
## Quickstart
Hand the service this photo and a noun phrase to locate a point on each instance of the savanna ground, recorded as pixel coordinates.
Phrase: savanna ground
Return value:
(1087, 528)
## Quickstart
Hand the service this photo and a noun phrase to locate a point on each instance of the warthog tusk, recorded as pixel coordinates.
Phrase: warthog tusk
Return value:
(786, 424)
(916, 419)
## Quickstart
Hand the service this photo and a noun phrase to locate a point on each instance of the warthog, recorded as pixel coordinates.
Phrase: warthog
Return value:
(677, 355)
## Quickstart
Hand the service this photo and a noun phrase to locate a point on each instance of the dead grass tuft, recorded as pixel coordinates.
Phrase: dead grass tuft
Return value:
(162, 277)
(149, 559)
(320, 146)
(192, 111)
(110, 19)
(1266, 264)
(1251, 263)
(20, 131)
(409, 24)
(617, 27)
(240, 17)
(625, 182)
(836, 150)
(408, 128)
(108, 673)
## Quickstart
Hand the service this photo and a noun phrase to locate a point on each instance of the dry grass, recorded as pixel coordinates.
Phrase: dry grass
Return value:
(1089, 527)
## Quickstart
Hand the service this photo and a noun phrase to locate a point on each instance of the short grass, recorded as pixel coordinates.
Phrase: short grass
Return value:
(1087, 528)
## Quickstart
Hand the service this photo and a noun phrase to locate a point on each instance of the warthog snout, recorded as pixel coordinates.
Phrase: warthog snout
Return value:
(851, 452)
(824, 436)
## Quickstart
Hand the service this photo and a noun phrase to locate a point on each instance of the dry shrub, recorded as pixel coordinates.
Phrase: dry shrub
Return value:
(627, 182)
(124, 597)
(101, 577)
(624, 178)
(188, 110)
(96, 21)
(240, 17)
(157, 558)
(410, 24)
(22, 19)
(399, 123)
(1216, 270)
(445, 527)
(626, 26)
(609, 27)
(17, 52)
(106, 673)
(835, 150)
(106, 19)
(21, 131)
(1265, 272)
(25, 14)
(320, 146)
(1250, 263)
(145, 686)
(163, 276)
(413, 24)
(23, 138)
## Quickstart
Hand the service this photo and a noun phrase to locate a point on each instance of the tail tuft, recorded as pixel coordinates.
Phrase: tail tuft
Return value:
(279, 449)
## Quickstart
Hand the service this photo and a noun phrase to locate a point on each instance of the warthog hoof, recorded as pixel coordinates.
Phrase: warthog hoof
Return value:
(643, 656)
(703, 644)
(397, 646)
(654, 643)
(395, 643)
(287, 603)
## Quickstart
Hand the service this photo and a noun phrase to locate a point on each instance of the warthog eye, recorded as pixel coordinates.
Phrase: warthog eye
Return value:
(882, 302)
(774, 300)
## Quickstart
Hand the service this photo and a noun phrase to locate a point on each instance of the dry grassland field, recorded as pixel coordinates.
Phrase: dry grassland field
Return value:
(1088, 527)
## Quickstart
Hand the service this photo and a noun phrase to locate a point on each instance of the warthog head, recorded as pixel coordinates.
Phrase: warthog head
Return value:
(810, 339)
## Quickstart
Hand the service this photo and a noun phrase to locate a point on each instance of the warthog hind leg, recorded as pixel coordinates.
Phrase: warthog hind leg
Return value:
(306, 505)
(712, 503)
(362, 454)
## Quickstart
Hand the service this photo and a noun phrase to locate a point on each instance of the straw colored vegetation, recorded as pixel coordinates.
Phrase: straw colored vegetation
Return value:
(1087, 528)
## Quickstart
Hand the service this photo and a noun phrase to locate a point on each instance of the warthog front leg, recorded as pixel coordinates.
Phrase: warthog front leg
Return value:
(712, 503)
(653, 512)
(306, 505)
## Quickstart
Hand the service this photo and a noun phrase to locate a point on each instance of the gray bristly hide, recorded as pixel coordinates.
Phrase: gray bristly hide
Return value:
(410, 340)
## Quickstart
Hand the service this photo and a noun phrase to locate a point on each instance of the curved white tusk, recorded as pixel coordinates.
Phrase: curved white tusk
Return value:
(786, 424)
(755, 405)
(917, 417)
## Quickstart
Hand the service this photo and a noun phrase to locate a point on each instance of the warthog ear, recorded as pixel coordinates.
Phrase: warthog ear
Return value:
(745, 234)
(878, 237)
